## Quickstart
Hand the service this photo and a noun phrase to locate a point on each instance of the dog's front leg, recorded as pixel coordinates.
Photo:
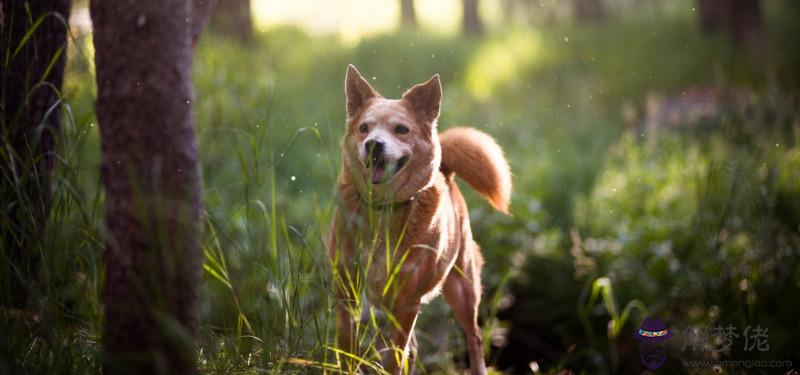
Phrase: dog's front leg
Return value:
(346, 310)
(340, 253)
(345, 340)
(396, 358)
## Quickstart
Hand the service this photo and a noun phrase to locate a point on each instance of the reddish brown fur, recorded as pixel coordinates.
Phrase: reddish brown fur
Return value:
(419, 216)
(476, 157)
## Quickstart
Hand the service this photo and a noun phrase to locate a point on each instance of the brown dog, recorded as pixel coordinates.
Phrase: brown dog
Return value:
(402, 227)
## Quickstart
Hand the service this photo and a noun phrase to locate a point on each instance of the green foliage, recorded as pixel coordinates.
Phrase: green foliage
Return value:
(695, 225)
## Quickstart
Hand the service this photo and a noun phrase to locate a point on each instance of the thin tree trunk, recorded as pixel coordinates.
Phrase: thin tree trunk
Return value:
(741, 19)
(201, 12)
(588, 10)
(232, 18)
(472, 24)
(408, 16)
(712, 14)
(747, 22)
(151, 175)
(32, 76)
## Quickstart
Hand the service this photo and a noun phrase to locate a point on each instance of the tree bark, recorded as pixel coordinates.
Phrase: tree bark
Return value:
(741, 19)
(201, 12)
(408, 16)
(151, 176)
(472, 24)
(746, 22)
(588, 10)
(31, 121)
(712, 14)
(232, 18)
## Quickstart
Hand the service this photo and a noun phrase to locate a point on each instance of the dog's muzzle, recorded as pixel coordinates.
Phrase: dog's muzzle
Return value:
(377, 162)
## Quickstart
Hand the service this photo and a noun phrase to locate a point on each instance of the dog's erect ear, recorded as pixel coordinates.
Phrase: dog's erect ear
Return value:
(426, 98)
(357, 90)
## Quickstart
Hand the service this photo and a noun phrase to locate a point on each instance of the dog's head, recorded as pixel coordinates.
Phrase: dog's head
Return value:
(391, 147)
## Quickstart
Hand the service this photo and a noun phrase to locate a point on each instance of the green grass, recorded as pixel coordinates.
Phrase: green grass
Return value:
(669, 222)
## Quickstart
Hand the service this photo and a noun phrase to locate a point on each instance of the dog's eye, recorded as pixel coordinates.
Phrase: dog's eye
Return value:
(363, 127)
(401, 129)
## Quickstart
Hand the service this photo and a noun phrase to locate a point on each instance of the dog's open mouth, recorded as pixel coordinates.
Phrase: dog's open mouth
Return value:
(382, 170)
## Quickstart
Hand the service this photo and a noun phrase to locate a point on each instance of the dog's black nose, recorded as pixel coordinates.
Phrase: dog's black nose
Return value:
(373, 147)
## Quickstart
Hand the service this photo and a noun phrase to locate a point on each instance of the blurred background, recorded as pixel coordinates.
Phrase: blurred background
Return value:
(654, 147)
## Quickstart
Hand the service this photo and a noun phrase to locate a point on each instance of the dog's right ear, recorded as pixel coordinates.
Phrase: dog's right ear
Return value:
(357, 90)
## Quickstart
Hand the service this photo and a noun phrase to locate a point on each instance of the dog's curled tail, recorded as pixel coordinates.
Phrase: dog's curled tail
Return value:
(476, 157)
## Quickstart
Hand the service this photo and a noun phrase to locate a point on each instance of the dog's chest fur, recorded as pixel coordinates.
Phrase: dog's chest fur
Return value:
(414, 244)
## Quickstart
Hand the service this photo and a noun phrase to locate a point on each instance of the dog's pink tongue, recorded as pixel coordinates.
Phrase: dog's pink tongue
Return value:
(377, 174)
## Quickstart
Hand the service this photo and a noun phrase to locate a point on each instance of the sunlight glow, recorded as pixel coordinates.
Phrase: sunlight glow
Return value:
(354, 19)
(499, 62)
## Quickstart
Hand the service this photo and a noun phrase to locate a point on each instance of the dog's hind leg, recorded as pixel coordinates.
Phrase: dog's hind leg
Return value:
(412, 352)
(462, 291)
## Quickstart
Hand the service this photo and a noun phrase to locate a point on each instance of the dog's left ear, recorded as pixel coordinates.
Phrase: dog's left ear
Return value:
(426, 98)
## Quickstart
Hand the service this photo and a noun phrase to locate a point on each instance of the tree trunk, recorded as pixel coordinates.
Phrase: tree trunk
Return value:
(472, 24)
(746, 22)
(742, 19)
(31, 121)
(712, 14)
(588, 10)
(201, 12)
(232, 18)
(151, 176)
(408, 16)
